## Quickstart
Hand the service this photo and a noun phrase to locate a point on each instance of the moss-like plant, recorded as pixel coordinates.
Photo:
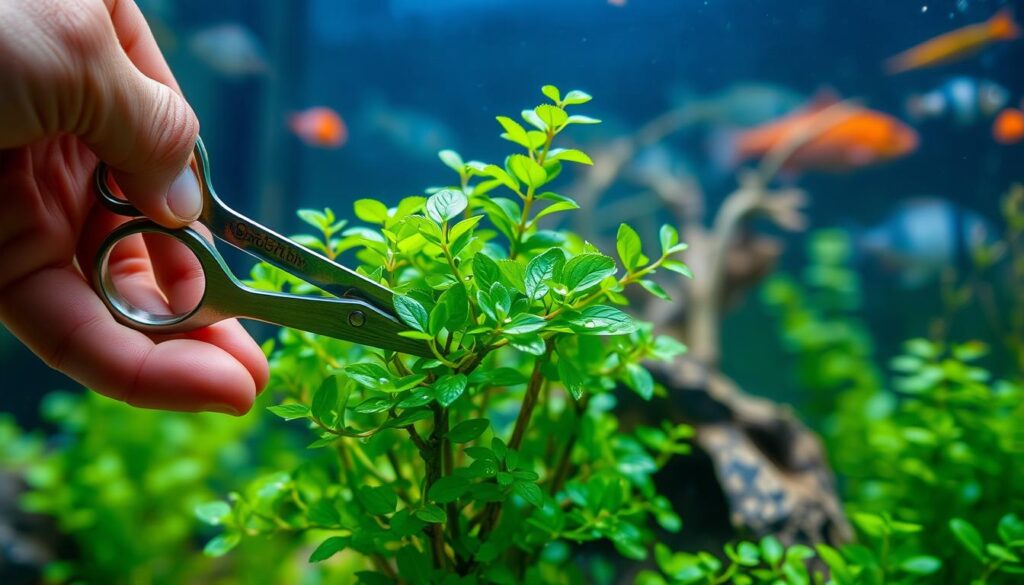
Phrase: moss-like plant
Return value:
(486, 460)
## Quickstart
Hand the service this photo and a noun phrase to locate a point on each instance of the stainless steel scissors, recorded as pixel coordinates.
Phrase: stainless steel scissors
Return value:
(360, 310)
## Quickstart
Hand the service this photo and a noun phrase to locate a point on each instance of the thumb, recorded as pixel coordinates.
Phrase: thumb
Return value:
(146, 132)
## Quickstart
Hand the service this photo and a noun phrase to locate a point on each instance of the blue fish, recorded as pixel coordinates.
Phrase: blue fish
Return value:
(923, 236)
(964, 100)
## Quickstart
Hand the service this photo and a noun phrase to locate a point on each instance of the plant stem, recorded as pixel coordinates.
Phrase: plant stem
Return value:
(432, 456)
(530, 399)
(565, 461)
(492, 512)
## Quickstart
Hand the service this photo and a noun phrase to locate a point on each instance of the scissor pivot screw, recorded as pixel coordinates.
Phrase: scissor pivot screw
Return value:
(356, 318)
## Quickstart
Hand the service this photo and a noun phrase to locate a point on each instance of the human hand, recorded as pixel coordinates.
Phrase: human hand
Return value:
(82, 81)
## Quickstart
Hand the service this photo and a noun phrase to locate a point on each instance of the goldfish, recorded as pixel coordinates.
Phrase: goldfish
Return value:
(230, 49)
(965, 100)
(320, 127)
(1008, 127)
(923, 236)
(863, 137)
(956, 45)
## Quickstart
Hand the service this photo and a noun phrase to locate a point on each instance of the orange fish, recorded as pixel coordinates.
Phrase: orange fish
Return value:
(1009, 126)
(320, 127)
(956, 45)
(862, 138)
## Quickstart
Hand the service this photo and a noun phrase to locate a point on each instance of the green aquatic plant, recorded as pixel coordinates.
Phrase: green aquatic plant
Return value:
(120, 484)
(938, 450)
(486, 461)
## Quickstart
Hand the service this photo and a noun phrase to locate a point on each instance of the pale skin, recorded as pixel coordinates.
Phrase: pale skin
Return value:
(83, 81)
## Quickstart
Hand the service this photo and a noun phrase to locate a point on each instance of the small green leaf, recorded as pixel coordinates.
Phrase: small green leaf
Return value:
(371, 211)
(655, 289)
(501, 176)
(577, 119)
(527, 170)
(570, 155)
(513, 273)
(524, 323)
(570, 377)
(534, 120)
(463, 227)
(1000, 552)
(586, 270)
(602, 320)
(678, 267)
(539, 270)
(456, 304)
(552, 93)
(370, 375)
(552, 116)
(772, 550)
(485, 271)
(315, 218)
(640, 380)
(921, 565)
(529, 491)
(438, 319)
(452, 160)
(446, 204)
(556, 208)
(576, 97)
(627, 243)
(968, 536)
(1011, 529)
(468, 430)
(290, 411)
(514, 132)
(448, 489)
(431, 514)
(411, 312)
(378, 500)
(329, 548)
(325, 401)
(213, 513)
(222, 544)
(447, 389)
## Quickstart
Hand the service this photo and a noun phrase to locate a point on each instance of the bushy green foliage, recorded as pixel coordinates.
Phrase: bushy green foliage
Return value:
(485, 460)
(122, 483)
(919, 463)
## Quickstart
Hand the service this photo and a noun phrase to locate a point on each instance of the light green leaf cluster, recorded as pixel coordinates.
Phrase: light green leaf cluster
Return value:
(518, 319)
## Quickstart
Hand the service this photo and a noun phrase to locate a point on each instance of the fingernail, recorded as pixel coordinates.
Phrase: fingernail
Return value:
(221, 408)
(185, 198)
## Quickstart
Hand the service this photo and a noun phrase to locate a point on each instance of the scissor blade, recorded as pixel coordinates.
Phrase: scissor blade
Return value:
(295, 259)
(348, 319)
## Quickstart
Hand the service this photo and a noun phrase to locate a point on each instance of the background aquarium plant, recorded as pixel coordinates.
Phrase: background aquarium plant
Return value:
(716, 292)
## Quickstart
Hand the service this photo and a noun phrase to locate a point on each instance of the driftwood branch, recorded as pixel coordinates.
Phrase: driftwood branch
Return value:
(736, 430)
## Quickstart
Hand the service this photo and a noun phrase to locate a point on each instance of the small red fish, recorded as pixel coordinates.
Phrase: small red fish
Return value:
(862, 138)
(1009, 126)
(320, 127)
(956, 45)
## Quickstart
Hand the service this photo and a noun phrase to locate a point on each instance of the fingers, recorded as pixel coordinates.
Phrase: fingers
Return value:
(58, 316)
(174, 287)
(137, 122)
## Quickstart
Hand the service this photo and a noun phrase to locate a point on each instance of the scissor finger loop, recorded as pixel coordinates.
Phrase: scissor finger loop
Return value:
(361, 309)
